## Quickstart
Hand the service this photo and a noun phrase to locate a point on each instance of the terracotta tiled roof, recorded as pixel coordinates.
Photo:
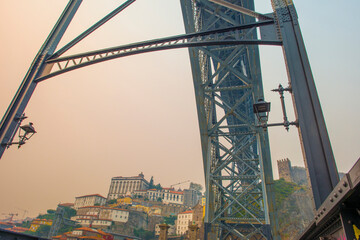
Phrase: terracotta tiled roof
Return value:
(66, 204)
(181, 193)
(17, 229)
(21, 228)
(90, 207)
(38, 219)
(6, 223)
(60, 237)
(119, 209)
(96, 219)
(90, 195)
(186, 212)
(103, 233)
(89, 215)
(90, 237)
(85, 229)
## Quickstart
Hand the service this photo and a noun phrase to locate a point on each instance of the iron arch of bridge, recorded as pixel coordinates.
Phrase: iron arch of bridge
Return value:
(207, 38)
(222, 42)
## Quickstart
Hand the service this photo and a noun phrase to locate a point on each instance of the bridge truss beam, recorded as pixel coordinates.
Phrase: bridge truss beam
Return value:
(236, 155)
(61, 65)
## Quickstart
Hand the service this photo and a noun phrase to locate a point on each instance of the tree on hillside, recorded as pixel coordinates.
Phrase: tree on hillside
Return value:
(42, 231)
(151, 183)
(69, 212)
(158, 186)
(112, 201)
(170, 220)
(48, 216)
(25, 224)
(66, 228)
(283, 190)
(144, 234)
(51, 211)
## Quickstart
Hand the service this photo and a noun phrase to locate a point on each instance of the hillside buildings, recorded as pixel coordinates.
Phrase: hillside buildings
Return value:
(99, 216)
(84, 233)
(183, 221)
(187, 197)
(130, 204)
(89, 200)
(137, 187)
(166, 195)
(36, 223)
(190, 217)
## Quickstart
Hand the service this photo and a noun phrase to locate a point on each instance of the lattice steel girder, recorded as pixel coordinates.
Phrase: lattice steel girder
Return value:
(61, 65)
(227, 79)
(315, 142)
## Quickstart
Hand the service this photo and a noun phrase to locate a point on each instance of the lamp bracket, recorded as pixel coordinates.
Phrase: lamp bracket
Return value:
(26, 135)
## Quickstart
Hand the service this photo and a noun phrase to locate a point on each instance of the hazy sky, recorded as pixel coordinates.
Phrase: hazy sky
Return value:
(138, 114)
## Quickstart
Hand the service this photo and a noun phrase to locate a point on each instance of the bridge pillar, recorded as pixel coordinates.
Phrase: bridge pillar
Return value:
(314, 138)
(163, 231)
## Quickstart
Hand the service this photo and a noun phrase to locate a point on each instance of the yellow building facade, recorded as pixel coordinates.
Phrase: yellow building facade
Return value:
(35, 224)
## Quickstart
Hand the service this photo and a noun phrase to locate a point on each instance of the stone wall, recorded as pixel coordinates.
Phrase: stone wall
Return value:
(136, 220)
(299, 175)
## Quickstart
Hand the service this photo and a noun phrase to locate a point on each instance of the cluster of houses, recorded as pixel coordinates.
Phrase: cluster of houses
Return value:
(103, 216)
(139, 187)
(128, 196)
(132, 194)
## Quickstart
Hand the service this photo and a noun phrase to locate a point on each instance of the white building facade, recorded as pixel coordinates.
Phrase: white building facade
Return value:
(183, 221)
(100, 223)
(166, 195)
(121, 186)
(98, 215)
(171, 196)
(89, 200)
(154, 194)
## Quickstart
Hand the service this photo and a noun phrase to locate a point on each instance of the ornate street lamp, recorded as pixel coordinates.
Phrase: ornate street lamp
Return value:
(262, 109)
(25, 133)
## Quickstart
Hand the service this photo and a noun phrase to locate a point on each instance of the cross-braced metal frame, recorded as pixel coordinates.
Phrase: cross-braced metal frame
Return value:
(227, 81)
(222, 39)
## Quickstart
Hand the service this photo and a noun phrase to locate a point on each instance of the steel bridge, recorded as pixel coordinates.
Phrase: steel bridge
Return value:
(222, 38)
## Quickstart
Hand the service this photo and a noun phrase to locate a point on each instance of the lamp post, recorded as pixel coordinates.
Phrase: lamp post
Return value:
(262, 109)
(25, 133)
